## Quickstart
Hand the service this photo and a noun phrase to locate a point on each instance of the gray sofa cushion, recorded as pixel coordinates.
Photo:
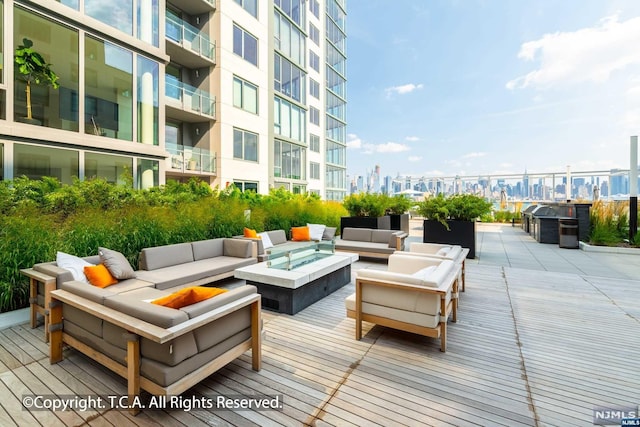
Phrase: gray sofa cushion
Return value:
(156, 314)
(329, 233)
(277, 237)
(165, 256)
(85, 290)
(382, 236)
(207, 248)
(129, 285)
(358, 246)
(82, 319)
(51, 268)
(166, 375)
(237, 248)
(359, 234)
(214, 333)
(116, 263)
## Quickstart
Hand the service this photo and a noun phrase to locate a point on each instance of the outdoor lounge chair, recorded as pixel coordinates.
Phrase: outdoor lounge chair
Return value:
(415, 294)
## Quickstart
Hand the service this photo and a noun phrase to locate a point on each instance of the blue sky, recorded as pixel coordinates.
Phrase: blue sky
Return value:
(445, 87)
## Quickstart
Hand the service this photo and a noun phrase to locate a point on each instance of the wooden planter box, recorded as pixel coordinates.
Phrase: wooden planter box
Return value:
(399, 222)
(376, 222)
(461, 233)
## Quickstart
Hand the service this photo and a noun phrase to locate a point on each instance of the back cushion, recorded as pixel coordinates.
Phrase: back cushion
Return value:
(360, 234)
(237, 248)
(277, 237)
(207, 249)
(156, 314)
(381, 236)
(165, 256)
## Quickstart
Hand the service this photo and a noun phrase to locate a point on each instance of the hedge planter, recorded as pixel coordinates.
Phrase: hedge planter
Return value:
(461, 233)
(399, 222)
(376, 222)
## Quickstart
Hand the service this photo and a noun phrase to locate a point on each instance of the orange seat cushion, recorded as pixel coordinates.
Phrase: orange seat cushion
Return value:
(300, 234)
(188, 296)
(99, 275)
(248, 232)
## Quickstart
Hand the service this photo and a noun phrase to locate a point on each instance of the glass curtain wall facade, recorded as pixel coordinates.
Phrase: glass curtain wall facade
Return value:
(106, 90)
(336, 100)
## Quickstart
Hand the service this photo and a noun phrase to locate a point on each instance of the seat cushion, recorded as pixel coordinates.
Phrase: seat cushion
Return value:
(411, 317)
(359, 246)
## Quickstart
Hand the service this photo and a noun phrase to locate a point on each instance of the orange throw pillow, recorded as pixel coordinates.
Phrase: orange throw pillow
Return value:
(250, 233)
(99, 276)
(188, 296)
(300, 234)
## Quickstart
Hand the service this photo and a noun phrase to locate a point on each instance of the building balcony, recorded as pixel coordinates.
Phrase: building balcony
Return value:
(187, 44)
(190, 160)
(187, 103)
(197, 7)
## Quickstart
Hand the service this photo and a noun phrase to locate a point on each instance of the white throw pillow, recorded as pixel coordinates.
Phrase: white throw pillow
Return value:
(266, 240)
(316, 231)
(74, 264)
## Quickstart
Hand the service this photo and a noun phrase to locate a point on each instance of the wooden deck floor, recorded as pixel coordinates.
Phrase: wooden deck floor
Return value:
(529, 348)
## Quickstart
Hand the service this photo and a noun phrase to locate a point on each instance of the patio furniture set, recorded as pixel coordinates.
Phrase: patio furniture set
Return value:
(163, 333)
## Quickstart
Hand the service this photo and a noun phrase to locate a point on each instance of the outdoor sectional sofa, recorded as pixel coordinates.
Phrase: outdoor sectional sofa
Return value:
(372, 243)
(159, 349)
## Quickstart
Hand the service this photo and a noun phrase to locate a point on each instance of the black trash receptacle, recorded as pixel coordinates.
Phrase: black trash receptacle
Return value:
(568, 233)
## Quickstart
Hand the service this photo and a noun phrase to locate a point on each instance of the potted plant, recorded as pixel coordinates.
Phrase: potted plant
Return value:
(33, 69)
(366, 210)
(397, 208)
(451, 220)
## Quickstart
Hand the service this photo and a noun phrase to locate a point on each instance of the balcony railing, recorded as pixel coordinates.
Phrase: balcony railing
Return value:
(191, 98)
(191, 159)
(189, 36)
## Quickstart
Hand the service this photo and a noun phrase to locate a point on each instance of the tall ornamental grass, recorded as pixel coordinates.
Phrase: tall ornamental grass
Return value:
(39, 218)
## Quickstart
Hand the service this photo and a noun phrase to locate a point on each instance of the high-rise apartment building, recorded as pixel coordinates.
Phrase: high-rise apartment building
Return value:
(250, 92)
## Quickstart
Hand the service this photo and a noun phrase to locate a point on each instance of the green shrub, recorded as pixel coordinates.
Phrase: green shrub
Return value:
(399, 204)
(366, 204)
(459, 207)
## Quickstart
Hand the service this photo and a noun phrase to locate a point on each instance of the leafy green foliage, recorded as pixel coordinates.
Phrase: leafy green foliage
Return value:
(399, 204)
(42, 217)
(609, 223)
(32, 66)
(460, 207)
(366, 204)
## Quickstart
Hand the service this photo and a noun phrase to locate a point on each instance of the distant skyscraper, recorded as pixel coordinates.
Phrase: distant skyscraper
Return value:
(619, 182)
(525, 185)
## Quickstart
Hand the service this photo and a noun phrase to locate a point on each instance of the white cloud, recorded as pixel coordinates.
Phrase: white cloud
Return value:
(353, 141)
(412, 138)
(589, 54)
(474, 155)
(403, 89)
(390, 147)
(415, 158)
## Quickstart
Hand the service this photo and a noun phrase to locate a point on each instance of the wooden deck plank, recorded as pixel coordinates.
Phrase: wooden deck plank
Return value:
(12, 405)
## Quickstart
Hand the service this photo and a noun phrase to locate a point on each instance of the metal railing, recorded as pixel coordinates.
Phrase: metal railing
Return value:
(189, 37)
(191, 98)
(190, 159)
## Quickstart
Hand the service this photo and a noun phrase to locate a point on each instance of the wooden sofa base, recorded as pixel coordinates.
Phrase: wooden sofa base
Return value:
(131, 371)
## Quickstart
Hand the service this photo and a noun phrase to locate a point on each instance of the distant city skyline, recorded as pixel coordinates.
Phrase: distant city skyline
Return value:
(448, 87)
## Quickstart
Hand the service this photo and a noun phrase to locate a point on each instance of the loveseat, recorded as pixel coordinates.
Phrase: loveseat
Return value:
(162, 350)
(371, 243)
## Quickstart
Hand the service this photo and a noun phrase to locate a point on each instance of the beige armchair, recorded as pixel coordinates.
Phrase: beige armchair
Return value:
(455, 253)
(415, 294)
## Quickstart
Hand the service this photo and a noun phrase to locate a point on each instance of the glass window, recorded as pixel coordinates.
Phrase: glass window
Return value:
(3, 105)
(294, 9)
(75, 4)
(289, 120)
(314, 34)
(148, 174)
(115, 13)
(1, 42)
(1, 162)
(246, 186)
(289, 79)
(336, 106)
(289, 40)
(250, 6)
(314, 88)
(314, 7)
(114, 169)
(245, 95)
(148, 18)
(245, 45)
(336, 154)
(336, 130)
(44, 105)
(314, 116)
(289, 160)
(314, 143)
(108, 90)
(245, 145)
(147, 101)
(314, 61)
(336, 83)
(314, 170)
(336, 177)
(36, 161)
(336, 36)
